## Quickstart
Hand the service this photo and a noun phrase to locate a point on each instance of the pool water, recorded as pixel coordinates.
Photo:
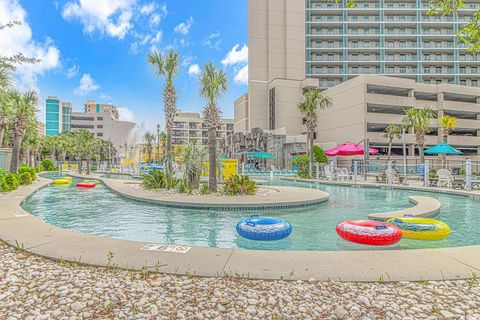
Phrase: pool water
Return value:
(102, 212)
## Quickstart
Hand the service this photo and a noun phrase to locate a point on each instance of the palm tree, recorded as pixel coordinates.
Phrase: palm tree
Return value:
(420, 121)
(24, 106)
(167, 66)
(447, 124)
(149, 140)
(5, 110)
(392, 132)
(213, 84)
(314, 100)
(163, 142)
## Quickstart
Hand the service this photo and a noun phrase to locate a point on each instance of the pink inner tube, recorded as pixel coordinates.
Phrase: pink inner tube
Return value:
(369, 232)
(86, 185)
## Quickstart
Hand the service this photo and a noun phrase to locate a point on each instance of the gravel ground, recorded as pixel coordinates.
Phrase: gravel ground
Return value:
(36, 288)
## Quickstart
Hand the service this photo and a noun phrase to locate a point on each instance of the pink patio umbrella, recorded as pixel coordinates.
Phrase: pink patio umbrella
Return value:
(348, 149)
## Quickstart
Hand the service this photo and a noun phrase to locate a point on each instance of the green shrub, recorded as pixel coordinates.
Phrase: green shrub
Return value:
(204, 189)
(48, 165)
(31, 171)
(239, 185)
(302, 163)
(182, 186)
(25, 178)
(93, 168)
(155, 180)
(8, 181)
(319, 155)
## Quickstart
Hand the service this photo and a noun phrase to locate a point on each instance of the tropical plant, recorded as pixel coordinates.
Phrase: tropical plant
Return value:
(392, 132)
(182, 186)
(47, 165)
(162, 139)
(302, 162)
(155, 180)
(239, 185)
(213, 84)
(149, 141)
(420, 121)
(447, 125)
(5, 107)
(193, 159)
(29, 170)
(204, 189)
(167, 66)
(314, 99)
(319, 155)
(8, 181)
(24, 106)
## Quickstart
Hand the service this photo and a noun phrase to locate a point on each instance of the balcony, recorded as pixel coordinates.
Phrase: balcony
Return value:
(461, 106)
(377, 137)
(468, 141)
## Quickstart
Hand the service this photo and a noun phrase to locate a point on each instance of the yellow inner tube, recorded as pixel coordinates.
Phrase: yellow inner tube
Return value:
(93, 181)
(67, 178)
(61, 181)
(421, 228)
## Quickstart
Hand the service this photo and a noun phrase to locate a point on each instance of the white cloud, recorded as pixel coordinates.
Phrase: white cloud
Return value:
(184, 27)
(73, 71)
(105, 96)
(126, 114)
(193, 70)
(188, 60)
(87, 85)
(157, 17)
(19, 39)
(111, 17)
(242, 76)
(236, 56)
(145, 39)
(213, 40)
(148, 8)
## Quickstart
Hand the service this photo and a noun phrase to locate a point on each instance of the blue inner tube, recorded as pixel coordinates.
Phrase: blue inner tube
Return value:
(264, 229)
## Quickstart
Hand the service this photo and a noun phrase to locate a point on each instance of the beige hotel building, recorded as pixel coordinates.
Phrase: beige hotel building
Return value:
(373, 60)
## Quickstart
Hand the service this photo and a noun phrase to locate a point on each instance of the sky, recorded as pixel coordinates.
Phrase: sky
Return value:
(96, 49)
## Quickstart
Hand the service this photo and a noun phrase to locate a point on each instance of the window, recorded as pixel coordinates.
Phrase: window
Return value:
(100, 118)
(354, 57)
(462, 69)
(355, 70)
(438, 69)
(463, 82)
(403, 70)
(475, 83)
(99, 126)
(426, 70)
(99, 134)
(439, 81)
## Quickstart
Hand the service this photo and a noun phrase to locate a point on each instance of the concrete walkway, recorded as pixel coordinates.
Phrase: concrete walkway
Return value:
(21, 229)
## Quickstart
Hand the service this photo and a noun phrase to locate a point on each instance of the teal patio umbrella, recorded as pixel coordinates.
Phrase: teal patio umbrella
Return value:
(443, 148)
(262, 155)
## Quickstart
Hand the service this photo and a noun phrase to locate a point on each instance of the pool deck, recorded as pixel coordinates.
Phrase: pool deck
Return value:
(19, 228)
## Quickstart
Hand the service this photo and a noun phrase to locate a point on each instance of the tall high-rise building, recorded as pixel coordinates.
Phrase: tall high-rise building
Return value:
(91, 106)
(57, 116)
(387, 37)
(295, 45)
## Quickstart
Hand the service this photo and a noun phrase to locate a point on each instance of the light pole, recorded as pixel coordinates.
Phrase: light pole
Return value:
(404, 147)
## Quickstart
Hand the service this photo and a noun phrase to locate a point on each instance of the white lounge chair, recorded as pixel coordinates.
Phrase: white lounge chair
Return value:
(329, 175)
(347, 175)
(445, 178)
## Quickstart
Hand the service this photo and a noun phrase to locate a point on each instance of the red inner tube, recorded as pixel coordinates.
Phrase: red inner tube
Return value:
(369, 232)
(86, 185)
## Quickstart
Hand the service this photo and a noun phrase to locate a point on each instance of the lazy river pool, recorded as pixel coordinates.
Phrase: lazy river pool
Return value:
(102, 212)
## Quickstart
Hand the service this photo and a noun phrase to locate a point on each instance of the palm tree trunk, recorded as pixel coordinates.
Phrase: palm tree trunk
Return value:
(88, 166)
(310, 153)
(212, 159)
(422, 155)
(389, 149)
(2, 134)
(169, 154)
(17, 141)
